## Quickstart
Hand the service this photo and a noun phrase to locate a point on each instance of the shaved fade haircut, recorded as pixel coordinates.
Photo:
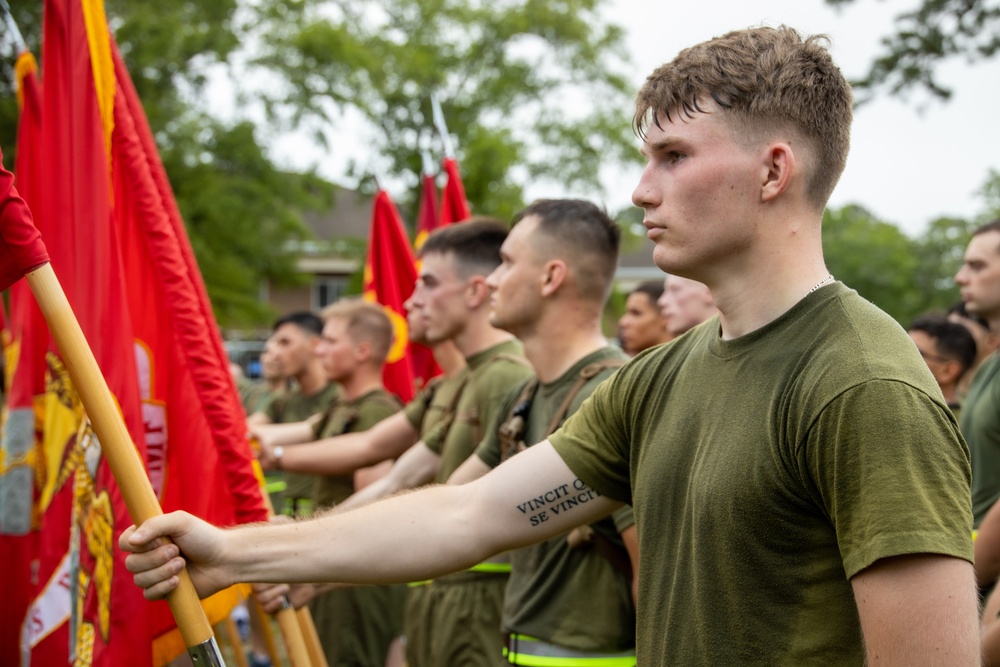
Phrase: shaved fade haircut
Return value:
(365, 322)
(474, 245)
(581, 233)
(767, 81)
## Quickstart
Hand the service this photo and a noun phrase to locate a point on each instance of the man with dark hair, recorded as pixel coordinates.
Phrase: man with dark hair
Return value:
(949, 351)
(979, 283)
(642, 325)
(293, 345)
(801, 491)
(569, 598)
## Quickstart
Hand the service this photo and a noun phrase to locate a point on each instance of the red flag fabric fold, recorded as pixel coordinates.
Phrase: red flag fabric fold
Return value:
(454, 205)
(390, 274)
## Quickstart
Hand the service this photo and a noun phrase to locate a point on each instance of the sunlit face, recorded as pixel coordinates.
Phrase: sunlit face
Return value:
(697, 190)
(439, 298)
(292, 348)
(515, 285)
(337, 350)
(685, 304)
(979, 277)
(642, 325)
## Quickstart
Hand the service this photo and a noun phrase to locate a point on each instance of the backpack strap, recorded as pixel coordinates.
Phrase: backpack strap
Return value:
(511, 433)
(586, 374)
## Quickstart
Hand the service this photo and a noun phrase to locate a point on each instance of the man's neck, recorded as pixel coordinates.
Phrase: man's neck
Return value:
(448, 357)
(561, 338)
(362, 381)
(479, 335)
(312, 380)
(758, 288)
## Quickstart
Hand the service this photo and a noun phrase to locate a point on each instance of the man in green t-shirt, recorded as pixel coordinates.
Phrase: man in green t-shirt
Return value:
(569, 597)
(356, 625)
(455, 620)
(801, 491)
(293, 344)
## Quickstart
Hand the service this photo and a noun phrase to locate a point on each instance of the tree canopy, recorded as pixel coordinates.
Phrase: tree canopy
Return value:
(529, 89)
(926, 36)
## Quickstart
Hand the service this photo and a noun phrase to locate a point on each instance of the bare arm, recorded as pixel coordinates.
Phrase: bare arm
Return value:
(420, 535)
(258, 419)
(292, 433)
(416, 467)
(471, 469)
(630, 536)
(918, 610)
(988, 547)
(344, 454)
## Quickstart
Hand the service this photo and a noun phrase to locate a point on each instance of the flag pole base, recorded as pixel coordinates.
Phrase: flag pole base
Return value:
(206, 654)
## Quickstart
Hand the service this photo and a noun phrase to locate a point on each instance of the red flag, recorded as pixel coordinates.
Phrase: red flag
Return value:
(390, 274)
(119, 249)
(24, 343)
(454, 206)
(427, 219)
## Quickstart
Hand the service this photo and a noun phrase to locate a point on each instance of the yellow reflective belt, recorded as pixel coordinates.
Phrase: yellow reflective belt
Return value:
(490, 567)
(418, 584)
(528, 651)
(276, 486)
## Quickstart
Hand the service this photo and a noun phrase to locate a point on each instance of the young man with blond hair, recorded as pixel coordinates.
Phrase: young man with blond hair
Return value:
(801, 491)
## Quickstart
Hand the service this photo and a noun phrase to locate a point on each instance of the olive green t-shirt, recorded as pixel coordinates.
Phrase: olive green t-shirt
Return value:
(980, 421)
(435, 403)
(348, 417)
(571, 597)
(766, 471)
(492, 373)
(293, 406)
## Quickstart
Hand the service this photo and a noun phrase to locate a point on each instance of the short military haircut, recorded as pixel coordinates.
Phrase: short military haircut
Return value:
(366, 322)
(952, 340)
(765, 80)
(585, 236)
(474, 245)
(653, 289)
(991, 226)
(304, 320)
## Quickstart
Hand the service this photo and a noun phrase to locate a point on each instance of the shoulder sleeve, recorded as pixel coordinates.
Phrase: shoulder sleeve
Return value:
(416, 409)
(890, 468)
(489, 449)
(374, 410)
(595, 443)
(275, 408)
(504, 377)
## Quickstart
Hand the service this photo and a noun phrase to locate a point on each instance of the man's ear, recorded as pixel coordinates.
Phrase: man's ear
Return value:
(476, 292)
(778, 169)
(363, 351)
(554, 274)
(951, 371)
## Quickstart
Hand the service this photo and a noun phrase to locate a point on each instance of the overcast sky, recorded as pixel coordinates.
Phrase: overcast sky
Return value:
(907, 165)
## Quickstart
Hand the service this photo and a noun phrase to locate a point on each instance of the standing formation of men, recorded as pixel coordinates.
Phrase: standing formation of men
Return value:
(799, 487)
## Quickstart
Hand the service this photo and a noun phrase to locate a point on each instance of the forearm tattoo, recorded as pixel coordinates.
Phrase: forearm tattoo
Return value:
(562, 499)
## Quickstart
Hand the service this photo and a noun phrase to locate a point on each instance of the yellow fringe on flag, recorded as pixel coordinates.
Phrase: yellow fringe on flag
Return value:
(99, 39)
(23, 66)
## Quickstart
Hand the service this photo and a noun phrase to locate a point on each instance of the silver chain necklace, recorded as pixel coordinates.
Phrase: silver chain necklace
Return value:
(825, 281)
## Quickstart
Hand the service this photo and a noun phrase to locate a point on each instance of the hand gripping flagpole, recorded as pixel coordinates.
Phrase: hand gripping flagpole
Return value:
(120, 452)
